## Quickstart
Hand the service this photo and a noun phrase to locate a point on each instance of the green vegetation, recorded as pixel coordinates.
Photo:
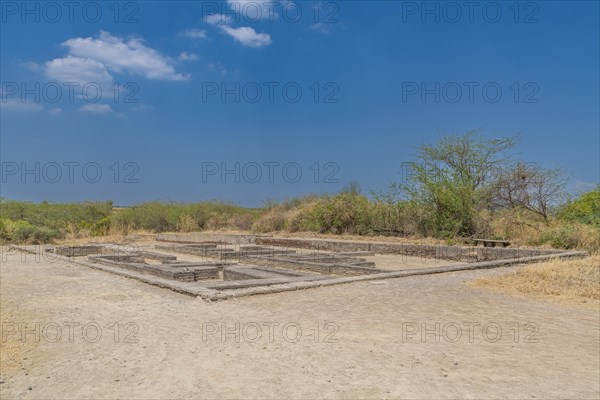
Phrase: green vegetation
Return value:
(23, 222)
(180, 217)
(460, 187)
(584, 209)
(455, 179)
(41, 223)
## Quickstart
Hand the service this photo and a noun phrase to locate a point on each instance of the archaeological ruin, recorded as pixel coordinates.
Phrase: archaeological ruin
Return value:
(222, 266)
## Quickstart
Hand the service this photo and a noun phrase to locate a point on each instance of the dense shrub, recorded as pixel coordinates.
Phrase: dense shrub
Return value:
(184, 217)
(26, 222)
(568, 236)
(24, 232)
(584, 209)
(272, 220)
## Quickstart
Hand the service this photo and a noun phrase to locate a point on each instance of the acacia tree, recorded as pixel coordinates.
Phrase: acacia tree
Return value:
(530, 187)
(455, 177)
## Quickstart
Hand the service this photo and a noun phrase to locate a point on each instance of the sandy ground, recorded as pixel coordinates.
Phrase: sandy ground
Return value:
(369, 342)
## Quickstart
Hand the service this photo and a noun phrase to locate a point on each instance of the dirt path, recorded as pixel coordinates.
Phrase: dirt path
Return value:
(369, 342)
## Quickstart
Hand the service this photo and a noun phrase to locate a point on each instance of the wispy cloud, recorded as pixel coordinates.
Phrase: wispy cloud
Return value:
(247, 36)
(195, 34)
(218, 67)
(218, 19)
(185, 56)
(321, 27)
(32, 66)
(583, 186)
(96, 108)
(143, 107)
(19, 106)
(243, 34)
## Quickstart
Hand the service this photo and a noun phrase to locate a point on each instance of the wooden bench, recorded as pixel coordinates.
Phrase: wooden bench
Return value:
(491, 243)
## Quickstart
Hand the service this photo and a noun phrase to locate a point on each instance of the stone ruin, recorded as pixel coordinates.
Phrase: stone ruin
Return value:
(269, 264)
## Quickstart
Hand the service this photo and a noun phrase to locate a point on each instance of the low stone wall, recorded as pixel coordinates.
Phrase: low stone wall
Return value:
(324, 258)
(163, 258)
(320, 268)
(78, 251)
(261, 283)
(235, 273)
(443, 252)
(454, 253)
(185, 272)
(195, 237)
(254, 251)
(202, 250)
(132, 263)
(205, 273)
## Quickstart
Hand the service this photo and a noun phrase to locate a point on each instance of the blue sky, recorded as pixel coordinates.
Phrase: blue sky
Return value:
(177, 92)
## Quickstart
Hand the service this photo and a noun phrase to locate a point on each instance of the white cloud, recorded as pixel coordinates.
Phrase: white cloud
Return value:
(118, 55)
(218, 67)
(32, 66)
(320, 27)
(583, 186)
(195, 34)
(247, 36)
(218, 19)
(244, 34)
(96, 108)
(95, 60)
(144, 107)
(185, 56)
(77, 69)
(19, 106)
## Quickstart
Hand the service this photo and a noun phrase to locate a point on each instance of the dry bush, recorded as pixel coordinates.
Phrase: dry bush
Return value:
(217, 222)
(228, 222)
(568, 235)
(120, 224)
(517, 225)
(523, 228)
(187, 223)
(243, 222)
(73, 232)
(569, 281)
(273, 220)
(294, 215)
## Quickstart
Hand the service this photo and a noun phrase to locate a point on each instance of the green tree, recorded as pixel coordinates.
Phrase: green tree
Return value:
(455, 178)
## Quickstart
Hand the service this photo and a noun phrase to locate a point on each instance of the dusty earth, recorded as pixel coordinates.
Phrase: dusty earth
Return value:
(417, 337)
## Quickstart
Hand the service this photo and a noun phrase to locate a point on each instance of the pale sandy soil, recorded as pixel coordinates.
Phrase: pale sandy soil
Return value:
(370, 356)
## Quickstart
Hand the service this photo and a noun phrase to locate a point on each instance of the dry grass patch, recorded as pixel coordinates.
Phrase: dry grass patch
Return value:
(13, 349)
(562, 281)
